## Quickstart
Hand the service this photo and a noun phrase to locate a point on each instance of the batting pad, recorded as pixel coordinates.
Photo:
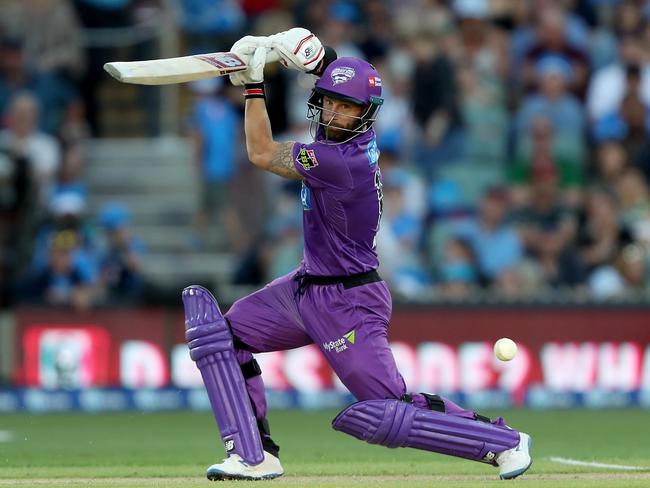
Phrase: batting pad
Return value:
(393, 423)
(211, 347)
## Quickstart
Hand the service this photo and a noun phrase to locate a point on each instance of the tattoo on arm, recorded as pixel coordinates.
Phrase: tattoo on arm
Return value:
(282, 162)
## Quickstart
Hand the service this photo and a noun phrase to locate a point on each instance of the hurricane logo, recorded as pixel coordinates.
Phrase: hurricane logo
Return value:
(342, 74)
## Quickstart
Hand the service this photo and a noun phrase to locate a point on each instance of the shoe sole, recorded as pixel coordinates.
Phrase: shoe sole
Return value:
(518, 472)
(223, 476)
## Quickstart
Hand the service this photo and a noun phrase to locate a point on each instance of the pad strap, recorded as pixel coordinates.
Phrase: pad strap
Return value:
(251, 369)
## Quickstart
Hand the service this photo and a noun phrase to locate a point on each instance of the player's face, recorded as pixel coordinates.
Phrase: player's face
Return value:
(339, 114)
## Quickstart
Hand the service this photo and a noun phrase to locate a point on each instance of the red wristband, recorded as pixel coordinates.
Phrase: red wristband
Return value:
(254, 90)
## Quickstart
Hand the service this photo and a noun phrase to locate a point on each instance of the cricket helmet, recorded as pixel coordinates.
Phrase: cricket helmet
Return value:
(350, 79)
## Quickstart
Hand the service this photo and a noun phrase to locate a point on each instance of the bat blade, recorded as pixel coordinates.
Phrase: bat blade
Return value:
(175, 70)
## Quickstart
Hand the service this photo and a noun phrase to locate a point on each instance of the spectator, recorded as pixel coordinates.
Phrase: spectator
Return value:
(552, 37)
(599, 239)
(120, 264)
(16, 76)
(542, 147)
(457, 273)
(548, 229)
(485, 117)
(99, 15)
(494, 241)
(633, 265)
(396, 125)
(215, 131)
(17, 221)
(70, 178)
(285, 250)
(338, 29)
(210, 25)
(398, 239)
(629, 123)
(634, 197)
(379, 31)
(75, 129)
(64, 281)
(413, 188)
(51, 34)
(555, 102)
(611, 163)
(436, 104)
(607, 86)
(600, 235)
(480, 44)
(66, 212)
(23, 138)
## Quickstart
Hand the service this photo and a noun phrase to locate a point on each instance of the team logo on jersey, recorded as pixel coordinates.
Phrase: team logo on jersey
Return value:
(306, 158)
(342, 74)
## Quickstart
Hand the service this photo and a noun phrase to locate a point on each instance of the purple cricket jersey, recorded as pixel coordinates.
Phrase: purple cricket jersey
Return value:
(342, 204)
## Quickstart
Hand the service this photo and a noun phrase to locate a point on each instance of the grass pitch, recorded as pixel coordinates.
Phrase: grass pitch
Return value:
(173, 449)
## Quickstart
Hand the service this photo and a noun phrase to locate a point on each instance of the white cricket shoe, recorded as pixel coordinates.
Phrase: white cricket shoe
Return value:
(235, 468)
(517, 460)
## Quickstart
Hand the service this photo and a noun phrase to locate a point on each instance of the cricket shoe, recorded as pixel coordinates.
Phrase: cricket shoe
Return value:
(235, 468)
(517, 460)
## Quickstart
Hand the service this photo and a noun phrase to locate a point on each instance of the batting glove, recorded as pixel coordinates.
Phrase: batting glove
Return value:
(255, 72)
(298, 49)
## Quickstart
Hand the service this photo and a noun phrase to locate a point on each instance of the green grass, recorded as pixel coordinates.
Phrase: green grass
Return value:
(173, 449)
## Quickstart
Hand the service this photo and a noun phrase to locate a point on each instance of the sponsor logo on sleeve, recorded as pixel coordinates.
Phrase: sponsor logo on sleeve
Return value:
(372, 152)
(305, 197)
(306, 158)
(342, 74)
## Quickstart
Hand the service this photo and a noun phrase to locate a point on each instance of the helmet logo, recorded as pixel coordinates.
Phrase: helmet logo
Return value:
(342, 74)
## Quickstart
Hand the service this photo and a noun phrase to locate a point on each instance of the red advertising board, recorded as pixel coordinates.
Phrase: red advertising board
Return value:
(446, 350)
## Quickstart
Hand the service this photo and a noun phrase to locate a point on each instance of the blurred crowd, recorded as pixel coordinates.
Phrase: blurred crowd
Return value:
(514, 144)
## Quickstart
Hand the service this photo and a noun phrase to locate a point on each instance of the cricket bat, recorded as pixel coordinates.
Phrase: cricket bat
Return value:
(181, 69)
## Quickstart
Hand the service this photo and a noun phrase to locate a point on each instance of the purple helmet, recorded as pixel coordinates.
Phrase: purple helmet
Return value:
(353, 80)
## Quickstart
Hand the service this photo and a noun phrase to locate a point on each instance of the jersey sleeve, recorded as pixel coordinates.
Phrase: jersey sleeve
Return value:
(322, 166)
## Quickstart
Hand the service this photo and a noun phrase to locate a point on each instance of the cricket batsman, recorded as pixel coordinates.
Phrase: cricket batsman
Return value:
(335, 298)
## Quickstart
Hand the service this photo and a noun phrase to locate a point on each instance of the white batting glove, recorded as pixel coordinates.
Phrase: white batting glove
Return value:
(255, 71)
(298, 49)
(246, 45)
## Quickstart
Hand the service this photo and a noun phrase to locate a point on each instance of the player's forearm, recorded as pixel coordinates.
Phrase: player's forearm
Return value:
(259, 138)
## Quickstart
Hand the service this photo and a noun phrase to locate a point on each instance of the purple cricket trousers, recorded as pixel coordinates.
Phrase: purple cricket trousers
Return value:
(348, 325)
